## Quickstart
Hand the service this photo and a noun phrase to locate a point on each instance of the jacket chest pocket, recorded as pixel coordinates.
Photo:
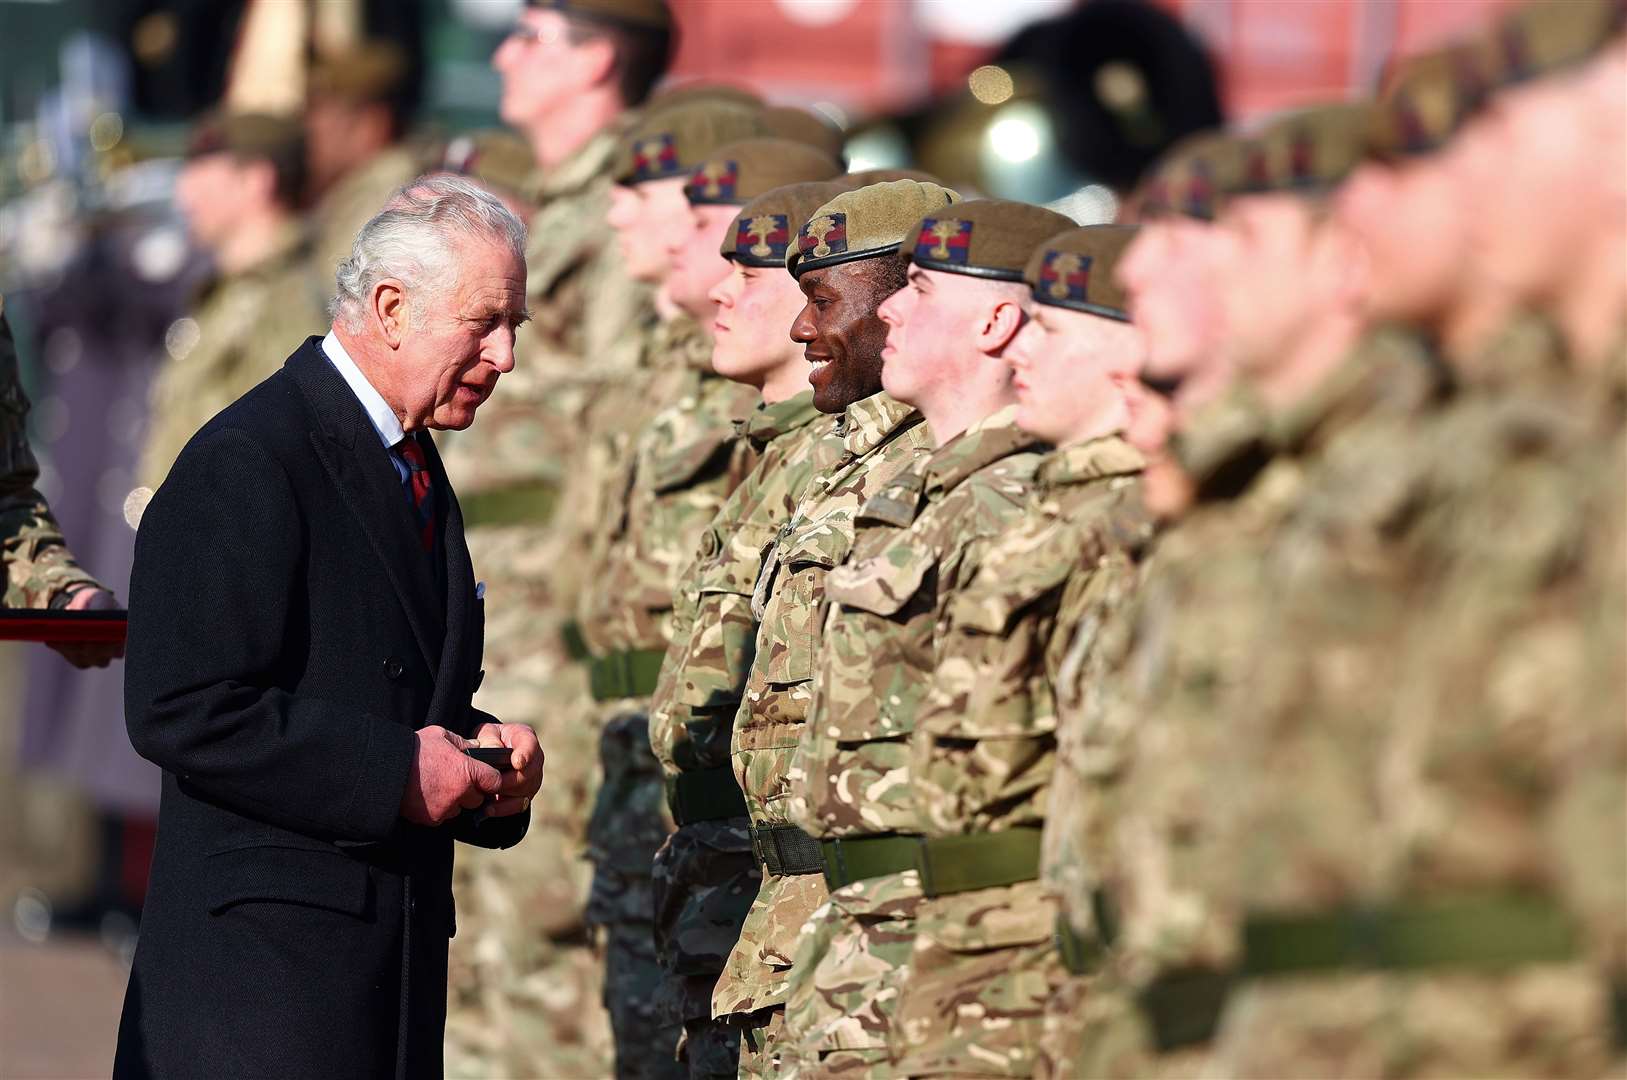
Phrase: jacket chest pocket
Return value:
(874, 688)
(791, 628)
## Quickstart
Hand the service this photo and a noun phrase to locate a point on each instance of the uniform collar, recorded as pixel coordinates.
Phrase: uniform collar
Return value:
(588, 163)
(768, 422)
(871, 421)
(1221, 434)
(1095, 459)
(1389, 370)
(985, 442)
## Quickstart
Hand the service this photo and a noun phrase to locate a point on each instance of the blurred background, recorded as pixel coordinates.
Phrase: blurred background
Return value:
(1052, 101)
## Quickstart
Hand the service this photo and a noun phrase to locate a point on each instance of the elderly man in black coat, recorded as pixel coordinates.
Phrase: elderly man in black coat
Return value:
(305, 639)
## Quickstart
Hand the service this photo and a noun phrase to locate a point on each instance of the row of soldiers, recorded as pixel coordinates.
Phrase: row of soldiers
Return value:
(1015, 648)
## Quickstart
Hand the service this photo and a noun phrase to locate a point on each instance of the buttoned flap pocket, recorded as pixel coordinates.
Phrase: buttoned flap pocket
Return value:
(791, 627)
(993, 602)
(677, 465)
(991, 686)
(288, 875)
(882, 584)
(730, 562)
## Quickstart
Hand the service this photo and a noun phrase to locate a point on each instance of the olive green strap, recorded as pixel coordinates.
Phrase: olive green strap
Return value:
(954, 864)
(529, 503)
(1495, 931)
(784, 850)
(705, 795)
(630, 673)
(1081, 953)
(850, 859)
(576, 645)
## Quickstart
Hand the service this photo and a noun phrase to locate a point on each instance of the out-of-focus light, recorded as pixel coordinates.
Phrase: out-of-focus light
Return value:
(106, 131)
(491, 14)
(816, 12)
(182, 337)
(1017, 135)
(832, 112)
(983, 22)
(1121, 86)
(37, 162)
(878, 148)
(991, 84)
(1093, 204)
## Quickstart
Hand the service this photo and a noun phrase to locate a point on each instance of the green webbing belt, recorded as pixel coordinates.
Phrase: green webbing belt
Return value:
(954, 864)
(855, 858)
(1183, 1007)
(785, 850)
(705, 795)
(1081, 953)
(1496, 931)
(576, 646)
(528, 503)
(630, 673)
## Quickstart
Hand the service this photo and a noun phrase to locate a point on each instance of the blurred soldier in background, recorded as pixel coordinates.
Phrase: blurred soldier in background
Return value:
(40, 570)
(705, 875)
(523, 983)
(846, 263)
(983, 749)
(355, 157)
(918, 541)
(238, 190)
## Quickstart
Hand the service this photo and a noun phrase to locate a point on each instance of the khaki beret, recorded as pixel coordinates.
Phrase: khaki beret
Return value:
(632, 14)
(1539, 39)
(866, 177)
(1078, 269)
(372, 71)
(741, 171)
(1309, 151)
(675, 141)
(986, 238)
(495, 158)
(1426, 98)
(800, 125)
(1195, 177)
(764, 228)
(248, 134)
(684, 93)
(864, 224)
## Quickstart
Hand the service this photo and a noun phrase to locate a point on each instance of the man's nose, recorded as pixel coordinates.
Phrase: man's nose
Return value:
(501, 355)
(803, 329)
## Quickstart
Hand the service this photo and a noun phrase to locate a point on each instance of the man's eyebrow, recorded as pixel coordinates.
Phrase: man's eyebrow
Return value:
(919, 276)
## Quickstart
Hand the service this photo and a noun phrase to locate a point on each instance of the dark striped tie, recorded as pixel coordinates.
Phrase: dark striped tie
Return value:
(417, 487)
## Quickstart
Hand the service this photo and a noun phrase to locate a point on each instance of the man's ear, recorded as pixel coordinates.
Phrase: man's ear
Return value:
(1000, 325)
(597, 55)
(259, 178)
(390, 311)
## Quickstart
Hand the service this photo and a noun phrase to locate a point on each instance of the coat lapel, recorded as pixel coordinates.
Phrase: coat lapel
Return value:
(360, 468)
(451, 689)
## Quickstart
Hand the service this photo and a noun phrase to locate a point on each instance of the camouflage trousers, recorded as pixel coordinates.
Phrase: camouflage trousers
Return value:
(1538, 1021)
(628, 825)
(705, 878)
(851, 963)
(1093, 1028)
(983, 967)
(762, 1043)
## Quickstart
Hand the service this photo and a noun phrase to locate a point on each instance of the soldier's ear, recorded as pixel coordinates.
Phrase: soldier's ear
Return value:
(1000, 325)
(390, 311)
(597, 56)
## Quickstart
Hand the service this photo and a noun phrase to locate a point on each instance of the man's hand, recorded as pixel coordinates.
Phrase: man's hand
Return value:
(444, 779)
(94, 653)
(524, 777)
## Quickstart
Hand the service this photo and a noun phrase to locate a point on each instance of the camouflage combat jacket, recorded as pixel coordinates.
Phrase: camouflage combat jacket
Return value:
(918, 541)
(244, 326)
(714, 631)
(874, 440)
(38, 564)
(351, 203)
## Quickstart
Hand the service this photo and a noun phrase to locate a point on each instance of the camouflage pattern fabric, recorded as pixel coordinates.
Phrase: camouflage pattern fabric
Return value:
(242, 329)
(39, 567)
(874, 440)
(351, 203)
(706, 876)
(917, 542)
(1437, 579)
(525, 980)
(982, 757)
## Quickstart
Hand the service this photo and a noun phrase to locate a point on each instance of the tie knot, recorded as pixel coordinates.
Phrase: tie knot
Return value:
(412, 454)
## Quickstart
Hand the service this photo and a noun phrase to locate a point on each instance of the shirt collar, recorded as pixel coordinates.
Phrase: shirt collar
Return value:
(382, 417)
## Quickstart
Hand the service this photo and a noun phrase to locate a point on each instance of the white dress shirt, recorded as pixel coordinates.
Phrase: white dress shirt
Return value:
(383, 418)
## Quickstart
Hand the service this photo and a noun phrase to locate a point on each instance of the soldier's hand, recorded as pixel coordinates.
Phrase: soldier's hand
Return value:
(523, 780)
(95, 653)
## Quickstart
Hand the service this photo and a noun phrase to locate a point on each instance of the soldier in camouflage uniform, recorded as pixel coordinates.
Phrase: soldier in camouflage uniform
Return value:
(1443, 928)
(354, 123)
(917, 542)
(705, 875)
(523, 982)
(846, 263)
(237, 191)
(40, 571)
(982, 750)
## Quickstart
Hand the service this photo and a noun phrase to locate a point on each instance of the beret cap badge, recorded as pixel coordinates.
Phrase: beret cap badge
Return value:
(655, 157)
(824, 235)
(944, 240)
(771, 233)
(1066, 275)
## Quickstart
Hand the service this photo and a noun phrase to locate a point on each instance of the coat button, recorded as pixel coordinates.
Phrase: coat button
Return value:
(393, 668)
